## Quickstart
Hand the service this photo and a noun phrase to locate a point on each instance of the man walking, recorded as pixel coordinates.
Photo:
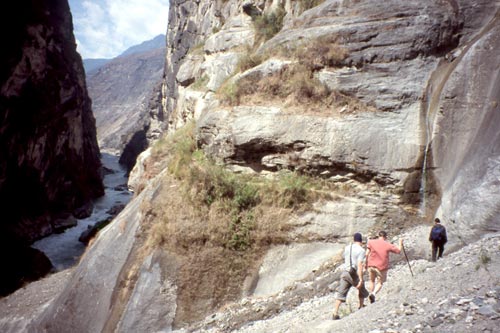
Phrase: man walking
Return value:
(438, 238)
(352, 275)
(377, 253)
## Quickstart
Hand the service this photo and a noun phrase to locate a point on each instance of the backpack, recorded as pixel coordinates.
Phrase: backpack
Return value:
(436, 233)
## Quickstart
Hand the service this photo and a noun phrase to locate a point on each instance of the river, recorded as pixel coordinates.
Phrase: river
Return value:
(64, 249)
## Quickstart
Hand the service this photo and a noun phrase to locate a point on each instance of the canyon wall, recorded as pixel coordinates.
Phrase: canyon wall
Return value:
(49, 158)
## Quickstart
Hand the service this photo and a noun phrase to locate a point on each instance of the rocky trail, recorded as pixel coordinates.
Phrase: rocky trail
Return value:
(460, 293)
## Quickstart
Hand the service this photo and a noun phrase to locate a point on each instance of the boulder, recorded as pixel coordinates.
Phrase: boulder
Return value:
(84, 211)
(115, 210)
(219, 67)
(91, 231)
(63, 222)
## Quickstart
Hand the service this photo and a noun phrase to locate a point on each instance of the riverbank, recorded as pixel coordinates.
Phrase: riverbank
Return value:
(64, 249)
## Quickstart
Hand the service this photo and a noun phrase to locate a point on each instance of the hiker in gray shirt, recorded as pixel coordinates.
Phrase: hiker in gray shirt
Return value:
(352, 276)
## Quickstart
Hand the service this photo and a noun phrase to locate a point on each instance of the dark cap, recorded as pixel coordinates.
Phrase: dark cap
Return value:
(437, 220)
(358, 237)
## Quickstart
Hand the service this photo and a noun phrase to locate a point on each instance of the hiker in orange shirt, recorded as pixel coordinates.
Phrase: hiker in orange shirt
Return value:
(377, 254)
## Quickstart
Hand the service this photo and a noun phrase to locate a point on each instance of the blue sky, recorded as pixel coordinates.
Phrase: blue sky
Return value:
(106, 28)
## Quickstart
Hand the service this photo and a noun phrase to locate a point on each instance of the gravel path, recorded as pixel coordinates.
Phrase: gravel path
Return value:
(18, 309)
(460, 293)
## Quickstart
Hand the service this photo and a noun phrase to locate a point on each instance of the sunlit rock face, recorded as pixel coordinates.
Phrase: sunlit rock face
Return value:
(49, 158)
(465, 140)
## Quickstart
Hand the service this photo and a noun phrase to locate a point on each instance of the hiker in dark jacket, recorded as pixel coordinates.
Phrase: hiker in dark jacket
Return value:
(438, 238)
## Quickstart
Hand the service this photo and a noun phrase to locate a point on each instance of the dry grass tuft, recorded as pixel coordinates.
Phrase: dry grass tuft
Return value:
(250, 59)
(296, 85)
(320, 53)
(268, 24)
(308, 4)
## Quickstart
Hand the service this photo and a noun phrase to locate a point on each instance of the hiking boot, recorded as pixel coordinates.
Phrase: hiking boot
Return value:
(372, 298)
(335, 317)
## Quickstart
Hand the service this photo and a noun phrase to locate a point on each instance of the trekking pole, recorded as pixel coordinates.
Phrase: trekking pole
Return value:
(404, 251)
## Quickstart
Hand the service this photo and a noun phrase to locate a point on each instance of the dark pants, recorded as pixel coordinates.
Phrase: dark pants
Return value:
(437, 248)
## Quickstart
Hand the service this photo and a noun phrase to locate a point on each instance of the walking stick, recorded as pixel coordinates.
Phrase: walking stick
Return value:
(404, 251)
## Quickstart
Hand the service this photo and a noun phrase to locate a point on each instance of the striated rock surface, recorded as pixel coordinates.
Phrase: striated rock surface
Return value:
(49, 158)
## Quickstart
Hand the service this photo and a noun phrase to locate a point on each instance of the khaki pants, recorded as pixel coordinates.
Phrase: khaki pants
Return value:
(374, 272)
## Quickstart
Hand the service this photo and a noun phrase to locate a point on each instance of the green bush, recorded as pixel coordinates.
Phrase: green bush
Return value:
(240, 232)
(200, 83)
(294, 190)
(230, 93)
(181, 145)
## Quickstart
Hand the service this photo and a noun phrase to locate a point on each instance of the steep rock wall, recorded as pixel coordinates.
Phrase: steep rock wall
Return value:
(49, 158)
(391, 53)
(396, 63)
(464, 139)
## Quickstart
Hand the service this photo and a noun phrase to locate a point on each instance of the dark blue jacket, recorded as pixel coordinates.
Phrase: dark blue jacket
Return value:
(441, 230)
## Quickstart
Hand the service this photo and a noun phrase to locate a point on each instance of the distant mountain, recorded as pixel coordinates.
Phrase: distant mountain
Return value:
(156, 43)
(92, 65)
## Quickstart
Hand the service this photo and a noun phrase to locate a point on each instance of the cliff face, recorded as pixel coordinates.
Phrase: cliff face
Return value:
(400, 71)
(49, 158)
(395, 107)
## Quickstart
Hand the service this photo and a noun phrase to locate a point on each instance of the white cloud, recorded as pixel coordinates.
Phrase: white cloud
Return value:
(106, 28)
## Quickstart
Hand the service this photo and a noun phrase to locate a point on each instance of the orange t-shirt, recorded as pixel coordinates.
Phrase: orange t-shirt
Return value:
(379, 253)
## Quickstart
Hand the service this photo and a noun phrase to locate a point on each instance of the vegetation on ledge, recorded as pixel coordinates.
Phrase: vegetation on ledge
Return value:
(218, 222)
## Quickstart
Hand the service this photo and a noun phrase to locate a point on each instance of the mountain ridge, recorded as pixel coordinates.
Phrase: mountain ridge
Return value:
(91, 65)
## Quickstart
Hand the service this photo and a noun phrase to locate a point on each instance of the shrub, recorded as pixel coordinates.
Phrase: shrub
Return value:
(200, 83)
(297, 82)
(249, 60)
(268, 25)
(308, 4)
(484, 259)
(320, 53)
(305, 86)
(240, 232)
(294, 190)
(215, 223)
(229, 93)
(181, 145)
